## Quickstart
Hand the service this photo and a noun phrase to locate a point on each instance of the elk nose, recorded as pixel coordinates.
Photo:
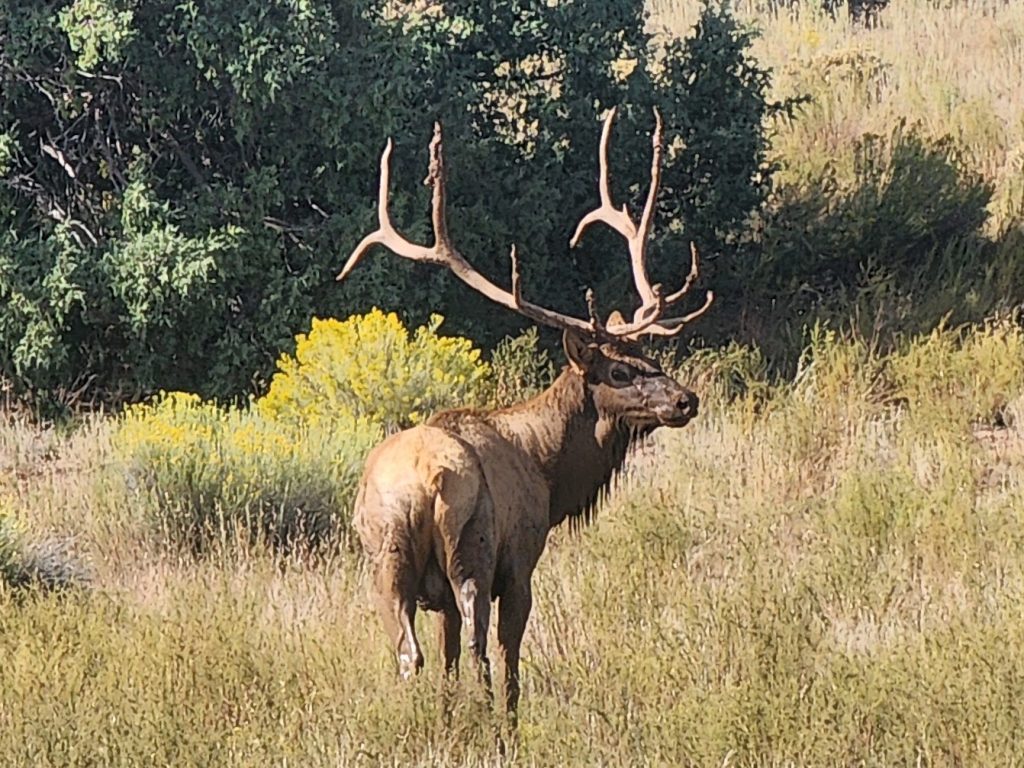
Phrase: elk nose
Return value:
(687, 405)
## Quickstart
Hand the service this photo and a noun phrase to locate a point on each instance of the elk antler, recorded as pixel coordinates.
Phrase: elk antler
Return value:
(647, 320)
(443, 252)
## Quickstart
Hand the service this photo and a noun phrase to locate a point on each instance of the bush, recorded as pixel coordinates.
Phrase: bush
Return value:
(178, 227)
(520, 368)
(223, 475)
(285, 470)
(45, 565)
(905, 196)
(10, 548)
(958, 377)
(887, 239)
(727, 375)
(368, 367)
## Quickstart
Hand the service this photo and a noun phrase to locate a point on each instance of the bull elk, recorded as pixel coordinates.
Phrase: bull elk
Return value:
(455, 513)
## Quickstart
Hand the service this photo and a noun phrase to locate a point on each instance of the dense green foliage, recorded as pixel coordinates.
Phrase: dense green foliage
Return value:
(179, 182)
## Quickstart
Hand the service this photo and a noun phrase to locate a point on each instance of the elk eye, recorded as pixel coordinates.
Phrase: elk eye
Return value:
(620, 376)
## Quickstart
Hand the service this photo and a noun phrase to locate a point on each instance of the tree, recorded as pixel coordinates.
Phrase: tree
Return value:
(180, 181)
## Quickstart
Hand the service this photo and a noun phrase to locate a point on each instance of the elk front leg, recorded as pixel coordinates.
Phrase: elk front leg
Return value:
(513, 611)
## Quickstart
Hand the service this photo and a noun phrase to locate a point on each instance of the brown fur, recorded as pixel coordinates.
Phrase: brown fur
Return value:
(456, 512)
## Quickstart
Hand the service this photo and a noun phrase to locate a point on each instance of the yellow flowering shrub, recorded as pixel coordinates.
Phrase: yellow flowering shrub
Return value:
(287, 467)
(368, 366)
(211, 473)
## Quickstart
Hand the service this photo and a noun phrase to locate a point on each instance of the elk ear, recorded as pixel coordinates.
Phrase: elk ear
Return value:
(580, 351)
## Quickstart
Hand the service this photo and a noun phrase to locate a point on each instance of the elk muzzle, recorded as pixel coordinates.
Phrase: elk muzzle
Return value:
(671, 404)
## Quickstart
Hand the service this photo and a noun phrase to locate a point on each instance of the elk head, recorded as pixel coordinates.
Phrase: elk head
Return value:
(626, 386)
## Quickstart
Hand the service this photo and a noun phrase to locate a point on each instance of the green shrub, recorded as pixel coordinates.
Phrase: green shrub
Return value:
(962, 377)
(905, 196)
(520, 368)
(887, 239)
(210, 475)
(724, 376)
(368, 367)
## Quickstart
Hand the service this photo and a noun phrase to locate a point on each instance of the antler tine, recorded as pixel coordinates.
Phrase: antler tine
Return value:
(439, 209)
(651, 324)
(638, 253)
(385, 234)
(595, 318)
(690, 278)
(517, 281)
(444, 252)
(675, 325)
(647, 318)
(607, 212)
(619, 220)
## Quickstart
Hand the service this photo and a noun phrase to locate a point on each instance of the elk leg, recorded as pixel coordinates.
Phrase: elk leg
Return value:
(395, 594)
(410, 657)
(470, 569)
(513, 611)
(475, 606)
(450, 624)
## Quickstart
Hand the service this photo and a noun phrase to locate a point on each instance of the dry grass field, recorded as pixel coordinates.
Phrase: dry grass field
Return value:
(820, 572)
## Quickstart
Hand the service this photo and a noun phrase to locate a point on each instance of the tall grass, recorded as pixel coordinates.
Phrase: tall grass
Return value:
(956, 67)
(822, 570)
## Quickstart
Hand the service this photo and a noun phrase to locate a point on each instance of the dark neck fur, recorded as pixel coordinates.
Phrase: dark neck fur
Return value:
(576, 449)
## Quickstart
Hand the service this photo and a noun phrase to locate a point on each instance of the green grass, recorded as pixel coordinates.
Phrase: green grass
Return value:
(828, 570)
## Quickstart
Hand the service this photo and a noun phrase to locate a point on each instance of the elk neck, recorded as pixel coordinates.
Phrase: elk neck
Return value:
(577, 449)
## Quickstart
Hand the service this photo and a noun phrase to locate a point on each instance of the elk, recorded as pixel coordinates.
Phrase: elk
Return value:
(455, 512)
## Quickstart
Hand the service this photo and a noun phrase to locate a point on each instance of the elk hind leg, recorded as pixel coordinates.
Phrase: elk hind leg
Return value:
(465, 537)
(449, 624)
(471, 572)
(395, 583)
(475, 607)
